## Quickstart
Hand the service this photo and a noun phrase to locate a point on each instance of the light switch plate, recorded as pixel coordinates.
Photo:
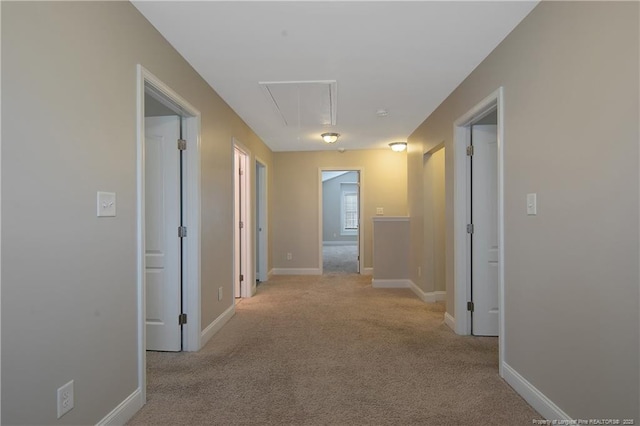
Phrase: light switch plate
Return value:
(532, 204)
(106, 204)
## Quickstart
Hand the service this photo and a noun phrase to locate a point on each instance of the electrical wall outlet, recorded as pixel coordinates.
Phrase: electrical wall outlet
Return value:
(219, 293)
(65, 399)
(379, 211)
(289, 256)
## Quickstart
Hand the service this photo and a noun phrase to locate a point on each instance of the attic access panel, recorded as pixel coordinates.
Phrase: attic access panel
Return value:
(303, 103)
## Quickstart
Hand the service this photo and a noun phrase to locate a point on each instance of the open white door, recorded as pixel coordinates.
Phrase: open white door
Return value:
(162, 219)
(244, 286)
(485, 246)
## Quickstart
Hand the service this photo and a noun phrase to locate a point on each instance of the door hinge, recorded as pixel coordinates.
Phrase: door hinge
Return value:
(240, 172)
(182, 231)
(182, 319)
(241, 225)
(470, 150)
(182, 144)
(470, 306)
(470, 228)
(241, 278)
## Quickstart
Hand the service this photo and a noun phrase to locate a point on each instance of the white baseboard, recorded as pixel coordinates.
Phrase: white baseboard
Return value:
(297, 271)
(339, 243)
(124, 411)
(398, 283)
(450, 321)
(366, 271)
(216, 325)
(532, 395)
(427, 297)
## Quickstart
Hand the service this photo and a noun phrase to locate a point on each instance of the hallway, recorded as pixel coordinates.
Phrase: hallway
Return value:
(333, 350)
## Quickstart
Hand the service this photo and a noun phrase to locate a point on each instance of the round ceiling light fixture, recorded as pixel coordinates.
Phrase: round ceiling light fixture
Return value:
(330, 137)
(398, 146)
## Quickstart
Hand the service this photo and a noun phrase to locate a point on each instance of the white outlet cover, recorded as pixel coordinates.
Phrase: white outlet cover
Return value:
(65, 399)
(106, 204)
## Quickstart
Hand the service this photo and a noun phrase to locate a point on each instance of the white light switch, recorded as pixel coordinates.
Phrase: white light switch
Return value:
(379, 211)
(532, 204)
(106, 204)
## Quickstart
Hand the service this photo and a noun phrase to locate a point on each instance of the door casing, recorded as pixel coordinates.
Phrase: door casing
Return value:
(191, 252)
(462, 216)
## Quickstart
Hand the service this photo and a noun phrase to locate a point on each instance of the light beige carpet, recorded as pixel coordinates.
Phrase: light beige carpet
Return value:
(332, 350)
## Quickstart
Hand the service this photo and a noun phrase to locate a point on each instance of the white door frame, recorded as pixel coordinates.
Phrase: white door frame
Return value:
(262, 220)
(461, 213)
(249, 289)
(360, 171)
(191, 260)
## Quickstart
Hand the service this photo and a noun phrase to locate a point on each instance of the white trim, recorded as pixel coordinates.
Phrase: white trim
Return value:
(366, 271)
(339, 243)
(461, 246)
(217, 324)
(398, 283)
(450, 321)
(428, 297)
(296, 271)
(391, 218)
(125, 410)
(532, 395)
(191, 291)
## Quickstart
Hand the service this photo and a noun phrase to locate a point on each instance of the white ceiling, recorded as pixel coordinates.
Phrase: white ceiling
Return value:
(404, 57)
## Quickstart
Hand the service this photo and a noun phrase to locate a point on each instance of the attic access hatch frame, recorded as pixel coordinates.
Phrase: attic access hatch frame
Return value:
(293, 107)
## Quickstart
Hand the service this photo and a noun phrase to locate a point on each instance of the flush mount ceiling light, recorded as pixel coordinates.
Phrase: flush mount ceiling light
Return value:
(398, 146)
(382, 112)
(330, 137)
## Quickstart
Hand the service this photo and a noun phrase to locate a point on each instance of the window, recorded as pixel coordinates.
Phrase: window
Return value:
(349, 209)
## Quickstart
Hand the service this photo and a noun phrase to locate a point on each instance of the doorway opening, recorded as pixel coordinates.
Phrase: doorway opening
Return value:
(262, 260)
(478, 221)
(244, 284)
(168, 221)
(340, 221)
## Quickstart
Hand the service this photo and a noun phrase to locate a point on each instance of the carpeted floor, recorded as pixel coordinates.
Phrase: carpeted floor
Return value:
(332, 350)
(339, 259)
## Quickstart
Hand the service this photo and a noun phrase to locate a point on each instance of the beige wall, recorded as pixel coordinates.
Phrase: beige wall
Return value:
(390, 248)
(69, 129)
(431, 276)
(295, 201)
(570, 78)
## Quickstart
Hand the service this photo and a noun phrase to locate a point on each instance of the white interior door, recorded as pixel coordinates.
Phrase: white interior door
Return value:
(484, 211)
(162, 219)
(243, 287)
